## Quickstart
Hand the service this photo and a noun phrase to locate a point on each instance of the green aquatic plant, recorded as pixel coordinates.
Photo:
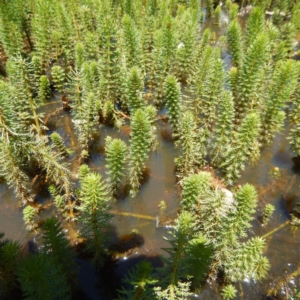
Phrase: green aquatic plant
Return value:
(250, 75)
(223, 130)
(40, 279)
(235, 43)
(284, 82)
(191, 143)
(173, 269)
(185, 49)
(135, 87)
(255, 25)
(199, 77)
(217, 15)
(294, 139)
(21, 76)
(139, 278)
(244, 145)
(29, 217)
(59, 250)
(246, 261)
(267, 213)
(229, 292)
(10, 254)
(192, 187)
(173, 101)
(10, 169)
(58, 78)
(211, 92)
(59, 143)
(85, 120)
(139, 149)
(116, 154)
(44, 89)
(94, 217)
(109, 66)
(132, 42)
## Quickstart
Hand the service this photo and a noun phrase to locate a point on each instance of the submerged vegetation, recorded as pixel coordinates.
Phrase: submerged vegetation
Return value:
(119, 64)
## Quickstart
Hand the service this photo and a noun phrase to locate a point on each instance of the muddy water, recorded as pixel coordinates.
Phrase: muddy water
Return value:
(283, 192)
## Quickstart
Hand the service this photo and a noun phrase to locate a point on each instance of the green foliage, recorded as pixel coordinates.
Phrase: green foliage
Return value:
(283, 85)
(10, 169)
(268, 211)
(139, 278)
(109, 66)
(192, 187)
(186, 46)
(223, 129)
(29, 217)
(10, 254)
(116, 151)
(135, 87)
(229, 292)
(86, 119)
(140, 143)
(59, 250)
(44, 89)
(294, 139)
(246, 261)
(191, 143)
(217, 15)
(173, 101)
(250, 75)
(58, 78)
(83, 171)
(132, 43)
(211, 91)
(244, 145)
(40, 278)
(59, 143)
(94, 217)
(255, 25)
(21, 74)
(235, 43)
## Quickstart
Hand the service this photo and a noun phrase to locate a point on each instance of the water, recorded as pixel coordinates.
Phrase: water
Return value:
(140, 232)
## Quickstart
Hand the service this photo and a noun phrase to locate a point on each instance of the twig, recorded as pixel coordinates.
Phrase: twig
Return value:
(52, 114)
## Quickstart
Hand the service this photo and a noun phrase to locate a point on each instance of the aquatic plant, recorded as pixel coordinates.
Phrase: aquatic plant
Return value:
(139, 278)
(223, 130)
(44, 89)
(244, 145)
(229, 292)
(10, 254)
(59, 143)
(59, 250)
(85, 121)
(283, 85)
(235, 43)
(255, 25)
(58, 78)
(29, 217)
(139, 149)
(135, 87)
(116, 154)
(40, 278)
(267, 213)
(132, 43)
(94, 217)
(250, 75)
(173, 101)
(191, 143)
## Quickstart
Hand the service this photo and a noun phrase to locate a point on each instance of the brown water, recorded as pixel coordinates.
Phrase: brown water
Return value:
(282, 247)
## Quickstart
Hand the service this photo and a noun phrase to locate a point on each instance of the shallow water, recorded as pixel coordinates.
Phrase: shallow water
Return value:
(283, 192)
